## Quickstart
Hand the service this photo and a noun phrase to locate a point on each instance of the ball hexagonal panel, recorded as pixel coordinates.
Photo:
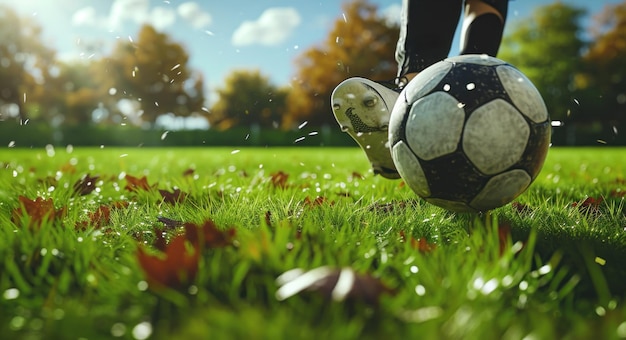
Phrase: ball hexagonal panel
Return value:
(523, 93)
(410, 169)
(501, 189)
(495, 136)
(434, 125)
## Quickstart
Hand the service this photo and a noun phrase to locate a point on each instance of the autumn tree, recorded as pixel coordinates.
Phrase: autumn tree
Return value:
(152, 74)
(361, 43)
(248, 98)
(547, 48)
(25, 66)
(605, 64)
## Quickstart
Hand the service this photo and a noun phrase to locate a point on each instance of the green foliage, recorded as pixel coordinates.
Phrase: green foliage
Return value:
(361, 43)
(558, 274)
(547, 48)
(248, 99)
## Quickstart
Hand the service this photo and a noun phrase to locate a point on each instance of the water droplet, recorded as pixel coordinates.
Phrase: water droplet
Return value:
(446, 87)
(420, 290)
(313, 133)
(113, 90)
(164, 135)
(299, 139)
(142, 285)
(11, 294)
(118, 329)
(235, 152)
(12, 144)
(470, 86)
(142, 330)
(414, 269)
(50, 150)
(175, 67)
(302, 125)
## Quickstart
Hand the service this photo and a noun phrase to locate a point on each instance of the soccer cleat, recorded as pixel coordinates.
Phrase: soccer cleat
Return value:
(362, 108)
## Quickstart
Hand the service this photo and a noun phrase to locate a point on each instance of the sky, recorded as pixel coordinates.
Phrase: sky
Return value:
(220, 35)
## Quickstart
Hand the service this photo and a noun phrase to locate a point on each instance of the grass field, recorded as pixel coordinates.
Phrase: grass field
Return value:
(194, 249)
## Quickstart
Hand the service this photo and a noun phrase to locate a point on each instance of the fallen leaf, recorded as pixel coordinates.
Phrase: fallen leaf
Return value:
(176, 268)
(101, 216)
(135, 184)
(38, 211)
(279, 179)
(176, 196)
(169, 223)
(589, 205)
(85, 185)
(336, 284)
(209, 235)
(317, 201)
(188, 172)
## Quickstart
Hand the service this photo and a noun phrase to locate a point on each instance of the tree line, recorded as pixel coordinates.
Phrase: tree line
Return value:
(582, 80)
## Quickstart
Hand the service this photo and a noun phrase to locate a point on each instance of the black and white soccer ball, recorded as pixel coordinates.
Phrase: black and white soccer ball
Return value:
(469, 133)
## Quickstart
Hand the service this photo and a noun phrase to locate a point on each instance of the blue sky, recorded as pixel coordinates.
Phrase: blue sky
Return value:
(221, 35)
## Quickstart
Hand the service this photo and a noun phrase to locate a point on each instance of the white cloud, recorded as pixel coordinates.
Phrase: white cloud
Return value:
(85, 16)
(194, 15)
(273, 27)
(162, 18)
(128, 10)
(123, 12)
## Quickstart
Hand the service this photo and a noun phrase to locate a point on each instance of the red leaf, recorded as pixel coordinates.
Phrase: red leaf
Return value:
(135, 184)
(176, 269)
(356, 175)
(188, 172)
(520, 207)
(319, 200)
(209, 235)
(589, 205)
(422, 245)
(38, 210)
(101, 217)
(279, 179)
(173, 197)
(85, 185)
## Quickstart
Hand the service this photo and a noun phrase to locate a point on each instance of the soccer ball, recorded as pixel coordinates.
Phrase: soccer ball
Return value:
(469, 133)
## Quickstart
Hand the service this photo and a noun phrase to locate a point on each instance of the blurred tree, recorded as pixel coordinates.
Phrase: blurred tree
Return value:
(248, 99)
(25, 66)
(547, 48)
(605, 64)
(151, 78)
(361, 43)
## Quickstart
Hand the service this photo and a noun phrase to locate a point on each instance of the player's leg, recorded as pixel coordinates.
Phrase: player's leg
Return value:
(483, 24)
(363, 107)
(426, 34)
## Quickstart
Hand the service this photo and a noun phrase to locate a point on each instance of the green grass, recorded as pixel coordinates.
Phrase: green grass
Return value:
(560, 275)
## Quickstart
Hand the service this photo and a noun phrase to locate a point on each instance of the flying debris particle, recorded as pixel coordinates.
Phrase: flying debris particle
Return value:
(209, 33)
(164, 135)
(600, 261)
(235, 152)
(295, 47)
(247, 136)
(130, 39)
(313, 133)
(24, 97)
(299, 139)
(11, 143)
(556, 123)
(615, 129)
(156, 104)
(601, 141)
(344, 17)
(576, 101)
(302, 125)
(205, 109)
(175, 67)
(123, 155)
(24, 122)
